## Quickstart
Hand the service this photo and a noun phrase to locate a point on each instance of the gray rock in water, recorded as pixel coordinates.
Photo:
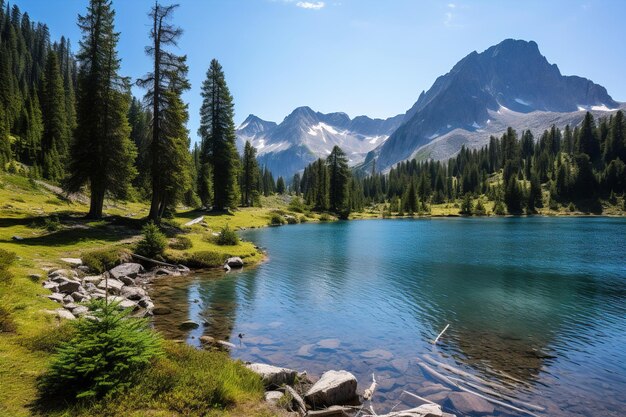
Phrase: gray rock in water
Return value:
(469, 404)
(146, 303)
(333, 388)
(329, 344)
(273, 397)
(234, 262)
(377, 354)
(161, 311)
(273, 376)
(188, 325)
(126, 270)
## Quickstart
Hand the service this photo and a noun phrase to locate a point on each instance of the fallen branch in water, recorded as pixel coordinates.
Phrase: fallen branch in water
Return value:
(369, 393)
(421, 411)
(418, 397)
(444, 329)
(448, 381)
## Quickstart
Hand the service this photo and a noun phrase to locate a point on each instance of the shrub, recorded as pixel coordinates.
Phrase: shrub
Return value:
(102, 358)
(303, 219)
(571, 207)
(227, 237)
(206, 259)
(296, 205)
(101, 260)
(276, 219)
(325, 217)
(498, 208)
(479, 210)
(181, 243)
(52, 224)
(154, 241)
(291, 219)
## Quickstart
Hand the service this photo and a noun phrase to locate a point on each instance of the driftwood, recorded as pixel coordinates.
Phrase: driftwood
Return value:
(154, 261)
(464, 374)
(335, 410)
(369, 393)
(194, 221)
(448, 381)
(418, 397)
(421, 411)
(440, 334)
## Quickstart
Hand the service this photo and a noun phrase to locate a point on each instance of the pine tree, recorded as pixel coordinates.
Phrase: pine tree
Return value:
(56, 132)
(616, 140)
(165, 84)
(587, 141)
(249, 176)
(139, 120)
(217, 130)
(338, 179)
(102, 153)
(280, 186)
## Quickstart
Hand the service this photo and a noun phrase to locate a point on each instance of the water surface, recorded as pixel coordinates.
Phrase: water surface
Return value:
(536, 307)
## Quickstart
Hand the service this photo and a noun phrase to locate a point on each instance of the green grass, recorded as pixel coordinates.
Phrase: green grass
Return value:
(25, 351)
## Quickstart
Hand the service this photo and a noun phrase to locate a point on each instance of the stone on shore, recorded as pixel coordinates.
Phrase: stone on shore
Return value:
(273, 397)
(56, 297)
(234, 262)
(73, 261)
(273, 376)
(130, 270)
(469, 404)
(114, 285)
(68, 286)
(333, 388)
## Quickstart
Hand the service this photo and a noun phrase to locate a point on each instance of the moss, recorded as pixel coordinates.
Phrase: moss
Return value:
(101, 260)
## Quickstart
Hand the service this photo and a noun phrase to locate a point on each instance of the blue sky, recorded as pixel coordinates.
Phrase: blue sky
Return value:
(356, 56)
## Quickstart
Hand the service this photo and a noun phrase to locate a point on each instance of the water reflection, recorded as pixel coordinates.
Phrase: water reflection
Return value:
(535, 306)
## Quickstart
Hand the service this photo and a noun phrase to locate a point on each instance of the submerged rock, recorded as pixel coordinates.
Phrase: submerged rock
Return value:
(333, 388)
(273, 376)
(468, 404)
(188, 325)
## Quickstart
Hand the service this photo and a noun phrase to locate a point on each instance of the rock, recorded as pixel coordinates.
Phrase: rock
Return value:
(333, 388)
(52, 286)
(226, 344)
(273, 376)
(433, 389)
(133, 293)
(234, 262)
(69, 286)
(165, 271)
(128, 304)
(126, 270)
(61, 313)
(161, 311)
(273, 397)
(127, 280)
(68, 299)
(62, 273)
(90, 287)
(79, 296)
(70, 306)
(207, 340)
(188, 325)
(80, 311)
(93, 279)
(34, 277)
(468, 404)
(83, 268)
(114, 285)
(377, 354)
(226, 268)
(146, 303)
(17, 238)
(73, 261)
(305, 351)
(329, 344)
(56, 297)
(183, 269)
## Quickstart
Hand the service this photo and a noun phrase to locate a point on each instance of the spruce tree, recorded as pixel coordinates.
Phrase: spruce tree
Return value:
(102, 153)
(56, 132)
(217, 130)
(280, 186)
(249, 176)
(587, 141)
(170, 161)
(338, 179)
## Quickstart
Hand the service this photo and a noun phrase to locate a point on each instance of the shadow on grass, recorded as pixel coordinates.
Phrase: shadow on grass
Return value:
(77, 229)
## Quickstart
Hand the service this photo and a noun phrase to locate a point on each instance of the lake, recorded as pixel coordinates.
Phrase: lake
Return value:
(536, 308)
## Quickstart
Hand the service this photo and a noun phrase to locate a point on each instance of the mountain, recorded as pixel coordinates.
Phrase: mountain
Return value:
(305, 135)
(508, 84)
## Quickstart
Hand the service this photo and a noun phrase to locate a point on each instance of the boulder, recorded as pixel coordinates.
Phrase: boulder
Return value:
(188, 325)
(146, 303)
(126, 270)
(52, 286)
(68, 299)
(329, 344)
(61, 313)
(128, 304)
(80, 311)
(333, 388)
(273, 376)
(114, 285)
(234, 262)
(469, 404)
(56, 297)
(73, 261)
(80, 296)
(127, 280)
(89, 287)
(70, 306)
(68, 286)
(93, 279)
(273, 397)
(133, 293)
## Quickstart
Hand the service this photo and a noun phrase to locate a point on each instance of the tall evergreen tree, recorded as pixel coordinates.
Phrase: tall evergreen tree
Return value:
(249, 176)
(587, 141)
(338, 179)
(165, 84)
(217, 130)
(56, 132)
(102, 153)
(280, 186)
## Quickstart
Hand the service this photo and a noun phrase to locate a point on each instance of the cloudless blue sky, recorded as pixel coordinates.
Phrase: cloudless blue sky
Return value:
(369, 57)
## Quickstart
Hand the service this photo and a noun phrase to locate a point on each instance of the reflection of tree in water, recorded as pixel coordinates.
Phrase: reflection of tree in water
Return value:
(506, 323)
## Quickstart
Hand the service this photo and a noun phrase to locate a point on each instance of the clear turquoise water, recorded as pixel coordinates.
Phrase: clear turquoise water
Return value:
(536, 306)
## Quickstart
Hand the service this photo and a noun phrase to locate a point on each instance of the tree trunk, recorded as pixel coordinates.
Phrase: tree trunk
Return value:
(96, 201)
